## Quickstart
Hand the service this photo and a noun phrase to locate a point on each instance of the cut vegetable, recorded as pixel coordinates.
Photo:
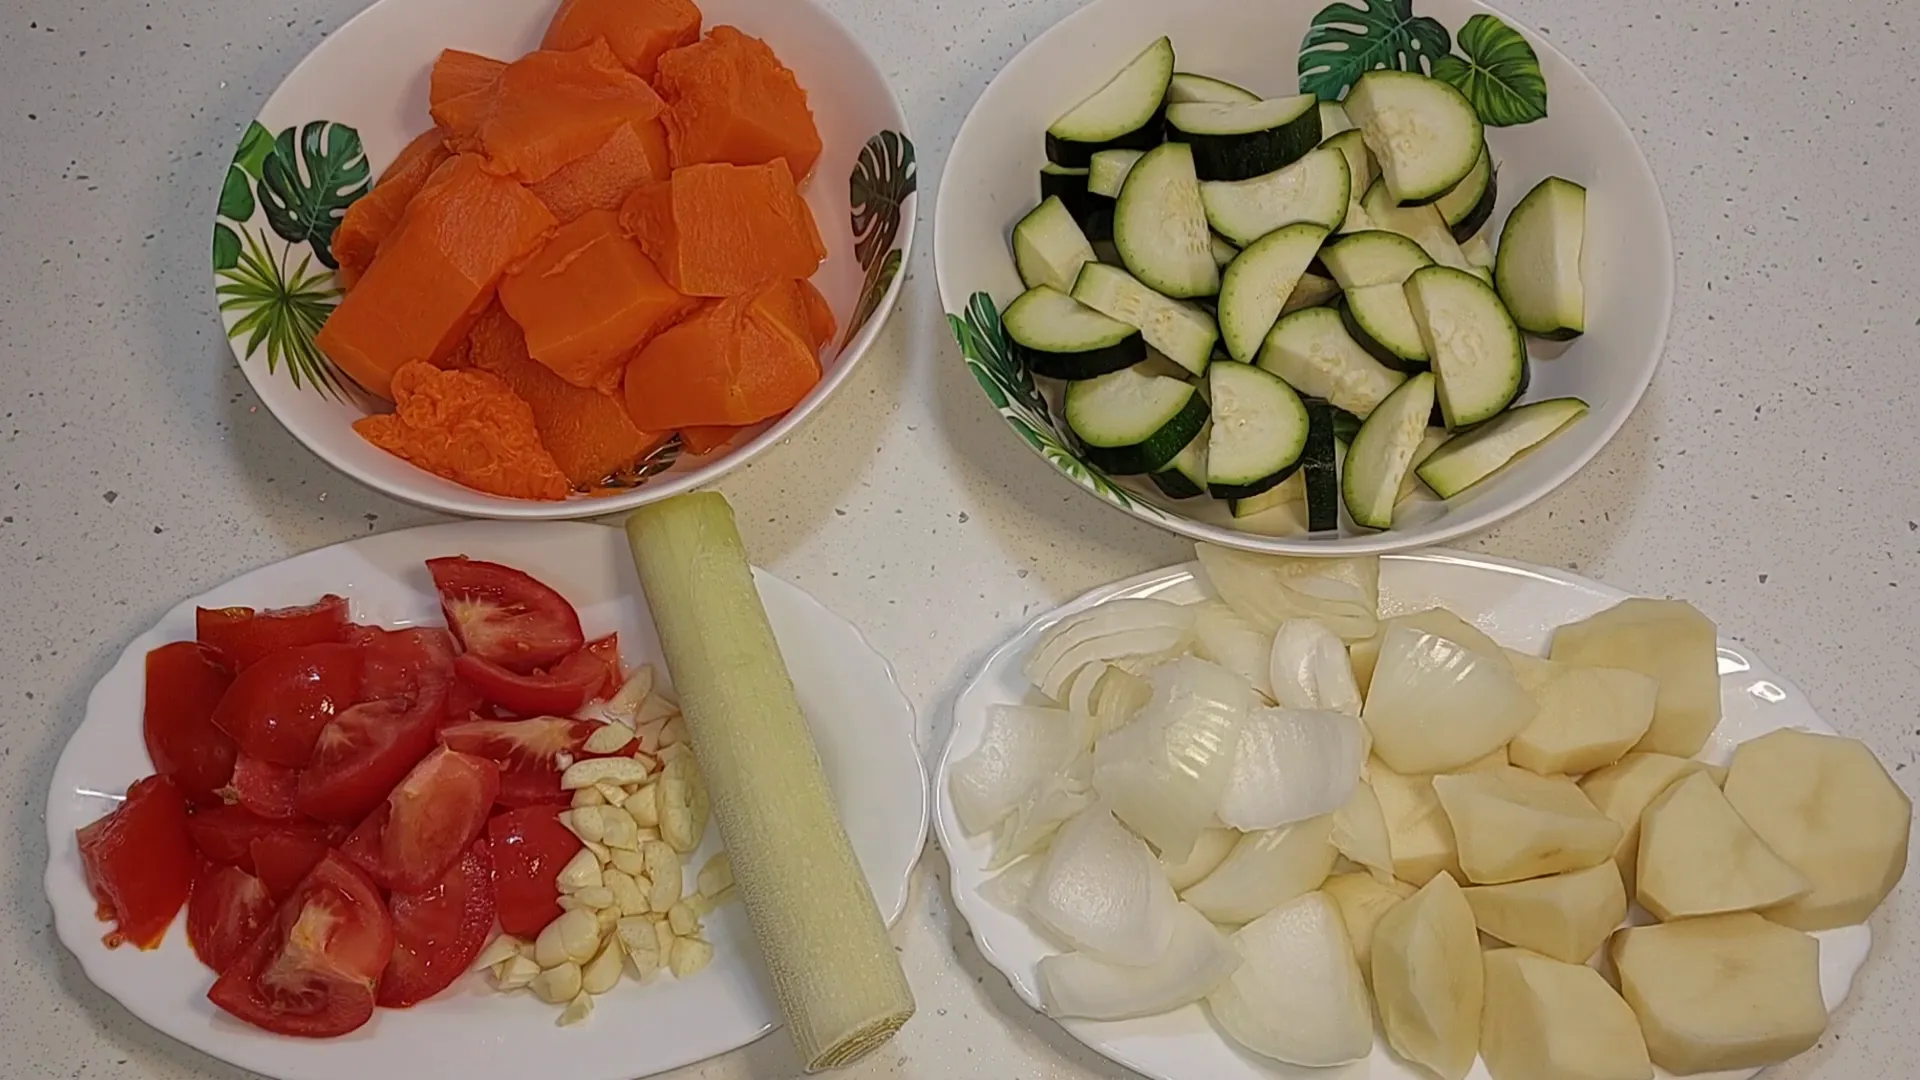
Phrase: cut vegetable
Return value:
(1588, 718)
(1182, 332)
(1049, 248)
(1697, 857)
(1363, 900)
(1333, 119)
(1102, 890)
(1104, 633)
(1107, 173)
(1538, 269)
(1478, 252)
(1164, 772)
(1308, 669)
(1314, 189)
(1225, 637)
(1132, 423)
(1373, 257)
(1126, 112)
(1549, 1019)
(1382, 453)
(1313, 352)
(1292, 764)
(1361, 173)
(1421, 224)
(1512, 825)
(1257, 285)
(1424, 132)
(1208, 852)
(1241, 140)
(1469, 204)
(1321, 471)
(1092, 214)
(1434, 706)
(1185, 477)
(1480, 453)
(1342, 594)
(1427, 979)
(1264, 870)
(1184, 88)
(1565, 916)
(1298, 996)
(1039, 816)
(1160, 225)
(1380, 321)
(1060, 338)
(1259, 431)
(1479, 361)
(1281, 509)
(1020, 748)
(1418, 832)
(1669, 640)
(1313, 291)
(1223, 252)
(1197, 959)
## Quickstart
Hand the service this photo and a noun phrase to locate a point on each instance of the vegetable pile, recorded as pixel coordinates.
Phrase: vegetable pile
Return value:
(1285, 806)
(599, 247)
(350, 814)
(1292, 304)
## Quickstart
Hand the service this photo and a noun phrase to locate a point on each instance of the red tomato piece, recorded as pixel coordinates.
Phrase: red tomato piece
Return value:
(530, 847)
(534, 744)
(226, 910)
(410, 840)
(365, 751)
(437, 933)
(139, 862)
(313, 970)
(532, 787)
(276, 708)
(281, 860)
(265, 789)
(607, 649)
(225, 834)
(503, 615)
(248, 636)
(392, 660)
(569, 685)
(185, 682)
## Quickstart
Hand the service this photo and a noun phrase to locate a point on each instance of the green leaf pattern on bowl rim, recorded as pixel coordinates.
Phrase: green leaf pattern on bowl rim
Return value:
(1499, 73)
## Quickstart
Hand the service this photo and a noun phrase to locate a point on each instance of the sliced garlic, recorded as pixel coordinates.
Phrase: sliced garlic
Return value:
(690, 956)
(557, 984)
(606, 770)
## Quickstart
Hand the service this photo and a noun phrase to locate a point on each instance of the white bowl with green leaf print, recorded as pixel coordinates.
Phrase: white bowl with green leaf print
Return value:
(1542, 118)
(361, 95)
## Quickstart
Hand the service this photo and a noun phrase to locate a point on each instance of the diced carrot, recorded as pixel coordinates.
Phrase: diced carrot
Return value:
(434, 274)
(558, 107)
(632, 155)
(733, 362)
(587, 299)
(587, 432)
(725, 230)
(637, 30)
(705, 440)
(372, 216)
(460, 94)
(469, 427)
(730, 99)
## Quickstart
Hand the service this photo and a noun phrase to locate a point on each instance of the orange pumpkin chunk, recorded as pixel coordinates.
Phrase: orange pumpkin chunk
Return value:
(730, 99)
(725, 230)
(372, 216)
(468, 427)
(732, 363)
(632, 155)
(637, 30)
(705, 440)
(460, 94)
(557, 107)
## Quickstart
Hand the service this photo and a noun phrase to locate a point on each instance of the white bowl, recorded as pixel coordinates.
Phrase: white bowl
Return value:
(368, 80)
(990, 182)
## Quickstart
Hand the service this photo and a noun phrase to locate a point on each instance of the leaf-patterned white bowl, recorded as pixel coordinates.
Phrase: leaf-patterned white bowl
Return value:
(1543, 119)
(348, 108)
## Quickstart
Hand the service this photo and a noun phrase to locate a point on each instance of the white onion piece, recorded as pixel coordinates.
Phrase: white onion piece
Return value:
(1434, 706)
(1022, 746)
(1360, 832)
(1032, 824)
(1103, 890)
(1225, 637)
(1298, 996)
(1208, 852)
(1265, 870)
(1270, 589)
(1127, 628)
(1116, 698)
(1164, 772)
(1292, 764)
(1009, 889)
(1197, 960)
(1308, 668)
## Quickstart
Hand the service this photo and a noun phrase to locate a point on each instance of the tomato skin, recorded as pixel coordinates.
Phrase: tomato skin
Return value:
(362, 753)
(426, 822)
(533, 744)
(225, 834)
(607, 650)
(281, 860)
(275, 709)
(562, 690)
(185, 682)
(532, 787)
(139, 862)
(437, 933)
(265, 789)
(248, 636)
(505, 616)
(530, 847)
(313, 970)
(226, 910)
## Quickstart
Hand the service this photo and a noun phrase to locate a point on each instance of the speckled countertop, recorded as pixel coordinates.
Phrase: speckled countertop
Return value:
(1770, 475)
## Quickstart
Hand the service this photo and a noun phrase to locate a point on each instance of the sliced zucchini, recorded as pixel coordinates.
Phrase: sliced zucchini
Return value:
(1061, 338)
(1107, 173)
(1425, 133)
(1049, 248)
(1259, 431)
(1287, 496)
(1538, 268)
(1129, 422)
(1421, 224)
(1160, 225)
(1092, 213)
(1313, 352)
(1478, 251)
(1185, 333)
(1478, 454)
(1223, 252)
(1126, 112)
(1316, 464)
(1373, 257)
(1470, 203)
(1258, 283)
(1185, 477)
(1333, 119)
(1242, 140)
(1434, 439)
(1361, 173)
(1382, 452)
(1312, 291)
(1479, 360)
(1313, 189)
(1381, 322)
(1185, 88)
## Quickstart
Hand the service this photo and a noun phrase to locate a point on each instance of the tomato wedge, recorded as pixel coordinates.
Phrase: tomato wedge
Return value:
(226, 910)
(313, 970)
(281, 860)
(437, 933)
(248, 636)
(530, 846)
(532, 787)
(225, 834)
(607, 649)
(535, 744)
(139, 862)
(410, 840)
(365, 751)
(265, 789)
(185, 682)
(276, 708)
(503, 615)
(568, 685)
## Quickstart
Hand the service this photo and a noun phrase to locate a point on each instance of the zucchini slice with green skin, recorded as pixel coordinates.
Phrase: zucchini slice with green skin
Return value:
(1434, 439)
(1061, 338)
(1538, 266)
(1125, 113)
(1334, 119)
(1185, 477)
(1361, 173)
(1421, 224)
(1183, 332)
(1478, 251)
(1049, 248)
(1258, 283)
(1380, 321)
(1107, 173)
(1313, 352)
(1312, 291)
(1091, 212)
(1314, 189)
(1130, 423)
(1479, 359)
(1424, 132)
(1373, 257)
(1287, 493)
(1160, 225)
(1259, 431)
(1239, 141)
(1470, 203)
(1223, 252)
(1186, 87)
(1470, 458)
(1382, 453)
(1316, 464)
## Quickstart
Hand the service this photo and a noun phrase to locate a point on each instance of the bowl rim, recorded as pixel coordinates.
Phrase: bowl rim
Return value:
(1371, 543)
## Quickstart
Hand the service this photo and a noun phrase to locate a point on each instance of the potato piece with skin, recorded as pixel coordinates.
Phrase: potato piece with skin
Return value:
(1722, 992)
(1566, 916)
(1419, 836)
(1697, 857)
(1511, 825)
(1428, 980)
(1622, 791)
(1827, 806)
(1588, 717)
(1550, 1020)
(1363, 901)
(1669, 641)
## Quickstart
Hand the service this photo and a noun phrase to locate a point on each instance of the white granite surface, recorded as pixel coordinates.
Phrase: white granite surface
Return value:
(1770, 475)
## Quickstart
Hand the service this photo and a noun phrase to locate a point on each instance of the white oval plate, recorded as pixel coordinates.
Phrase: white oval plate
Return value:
(861, 720)
(1516, 604)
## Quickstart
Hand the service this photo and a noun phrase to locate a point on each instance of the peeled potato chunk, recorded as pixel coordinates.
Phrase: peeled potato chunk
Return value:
(1511, 825)
(1419, 837)
(1363, 901)
(1566, 916)
(1427, 979)
(1588, 717)
(1723, 992)
(1622, 791)
(1827, 806)
(1549, 1020)
(1669, 641)
(1698, 858)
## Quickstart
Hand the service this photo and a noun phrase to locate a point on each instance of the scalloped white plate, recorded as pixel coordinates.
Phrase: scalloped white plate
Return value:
(1518, 605)
(861, 720)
